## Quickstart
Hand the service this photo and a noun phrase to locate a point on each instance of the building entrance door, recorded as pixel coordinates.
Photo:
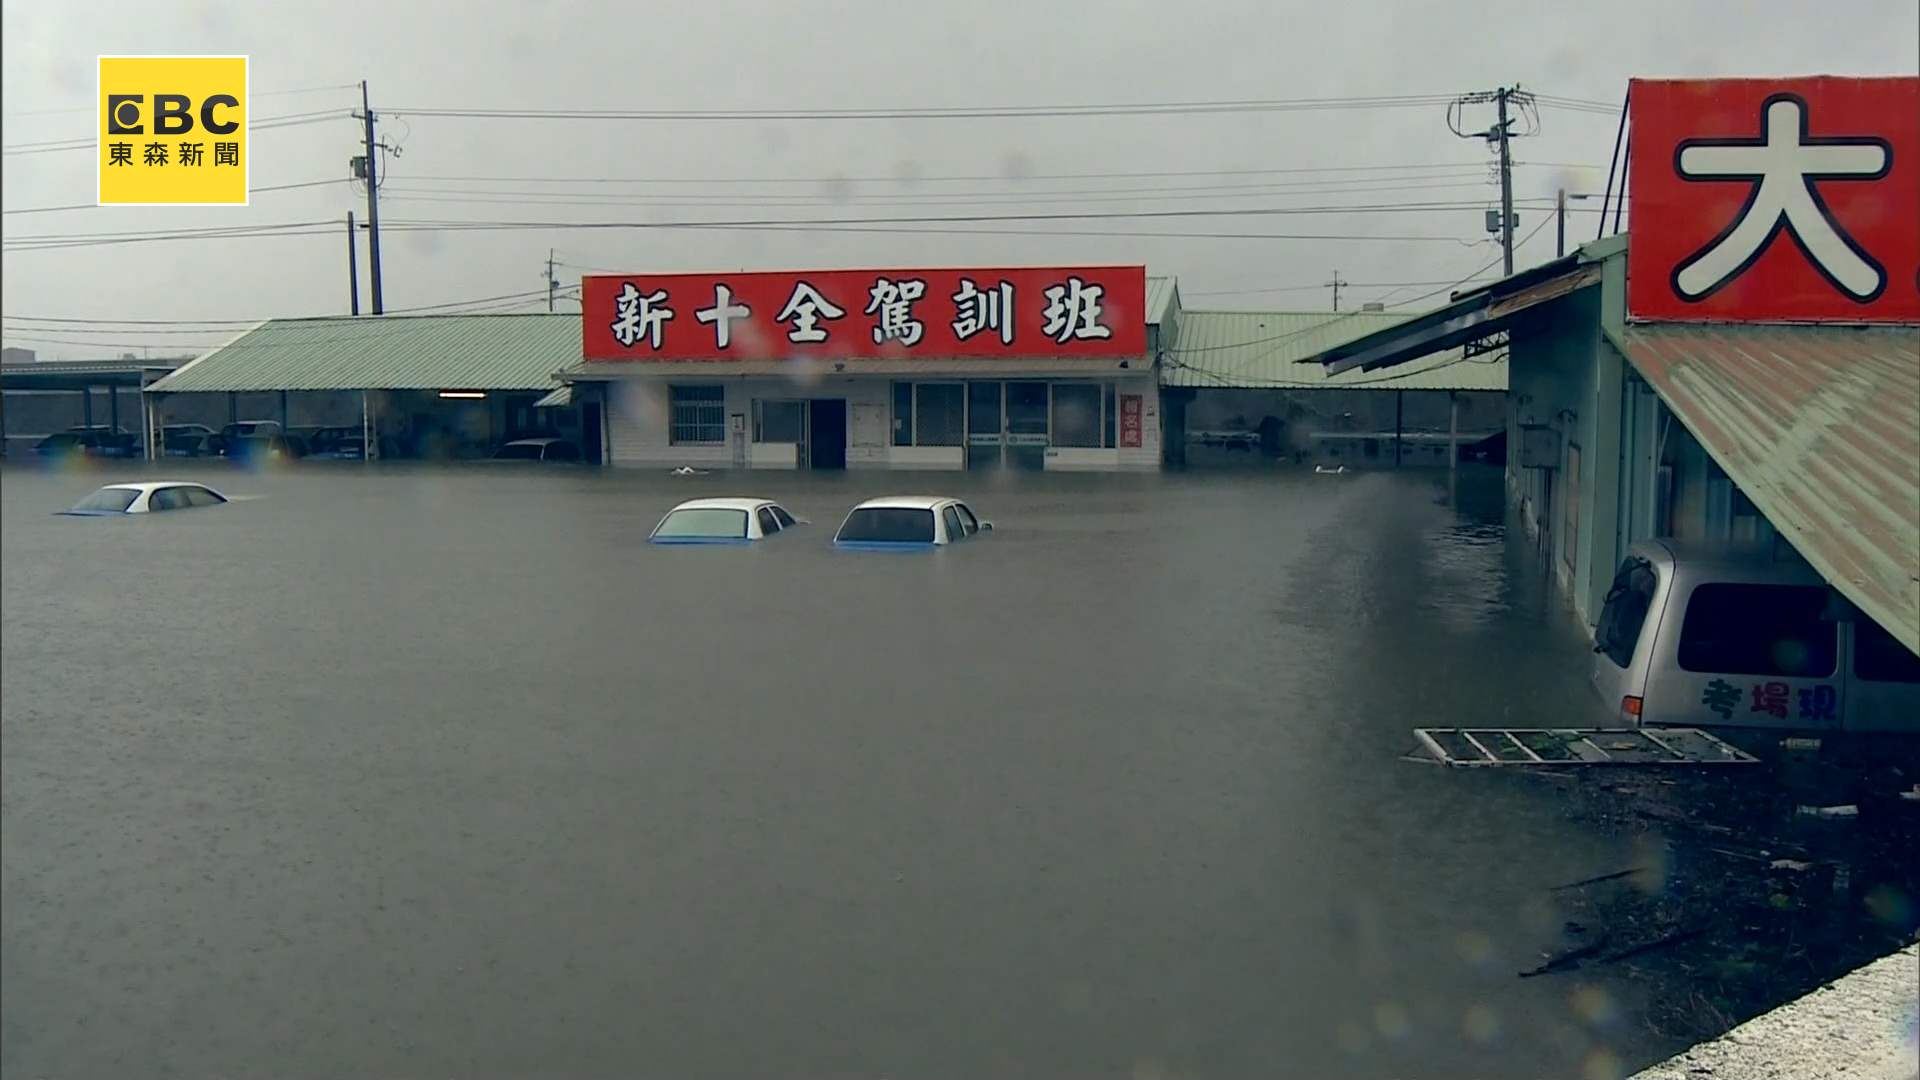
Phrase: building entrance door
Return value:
(985, 432)
(1027, 425)
(827, 433)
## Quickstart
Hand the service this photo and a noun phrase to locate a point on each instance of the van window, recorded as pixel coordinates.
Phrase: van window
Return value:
(1759, 630)
(1626, 611)
(1879, 657)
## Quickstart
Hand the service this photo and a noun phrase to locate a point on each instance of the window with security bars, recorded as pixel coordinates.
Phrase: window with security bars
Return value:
(940, 414)
(1076, 414)
(699, 415)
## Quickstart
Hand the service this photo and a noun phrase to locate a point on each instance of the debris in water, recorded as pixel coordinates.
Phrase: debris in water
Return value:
(1848, 810)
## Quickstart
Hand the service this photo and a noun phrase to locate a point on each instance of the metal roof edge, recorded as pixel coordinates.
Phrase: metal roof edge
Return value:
(159, 386)
(1466, 312)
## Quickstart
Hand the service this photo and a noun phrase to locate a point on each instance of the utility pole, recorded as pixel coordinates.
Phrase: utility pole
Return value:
(1499, 137)
(1505, 135)
(353, 266)
(1560, 224)
(1335, 285)
(553, 283)
(369, 170)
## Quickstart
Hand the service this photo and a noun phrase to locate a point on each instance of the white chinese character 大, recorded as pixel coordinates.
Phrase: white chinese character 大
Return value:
(1073, 312)
(722, 315)
(638, 315)
(893, 301)
(975, 311)
(1783, 165)
(805, 308)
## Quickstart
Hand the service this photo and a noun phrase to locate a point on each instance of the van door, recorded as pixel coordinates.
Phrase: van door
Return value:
(1748, 655)
(1883, 680)
(1622, 641)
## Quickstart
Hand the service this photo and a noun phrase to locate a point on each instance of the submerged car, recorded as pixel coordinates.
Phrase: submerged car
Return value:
(537, 450)
(146, 498)
(723, 521)
(908, 521)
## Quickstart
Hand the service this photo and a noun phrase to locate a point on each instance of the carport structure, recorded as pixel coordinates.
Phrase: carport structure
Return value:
(474, 377)
(84, 377)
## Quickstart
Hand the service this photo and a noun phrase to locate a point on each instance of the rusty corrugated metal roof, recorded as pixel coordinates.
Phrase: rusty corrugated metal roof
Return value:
(1820, 427)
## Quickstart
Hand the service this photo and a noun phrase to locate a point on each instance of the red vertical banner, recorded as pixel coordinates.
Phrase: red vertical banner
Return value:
(1131, 406)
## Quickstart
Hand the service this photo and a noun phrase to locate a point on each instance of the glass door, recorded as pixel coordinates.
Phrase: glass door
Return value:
(985, 433)
(1027, 420)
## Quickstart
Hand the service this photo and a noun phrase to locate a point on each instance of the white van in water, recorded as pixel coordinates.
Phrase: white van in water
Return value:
(1696, 635)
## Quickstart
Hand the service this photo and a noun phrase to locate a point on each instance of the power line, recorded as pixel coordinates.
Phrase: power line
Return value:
(973, 178)
(268, 124)
(97, 206)
(257, 93)
(1315, 288)
(444, 195)
(946, 113)
(45, 241)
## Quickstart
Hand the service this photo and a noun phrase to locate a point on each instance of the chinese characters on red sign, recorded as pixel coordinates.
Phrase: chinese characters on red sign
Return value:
(1786, 200)
(850, 314)
(1130, 410)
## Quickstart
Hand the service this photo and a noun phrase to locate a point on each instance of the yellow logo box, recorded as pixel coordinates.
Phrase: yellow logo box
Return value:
(173, 131)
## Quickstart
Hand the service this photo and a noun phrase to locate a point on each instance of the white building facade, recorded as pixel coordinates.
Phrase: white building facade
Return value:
(1041, 369)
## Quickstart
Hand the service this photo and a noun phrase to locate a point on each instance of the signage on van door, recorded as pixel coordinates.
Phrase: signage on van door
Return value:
(854, 314)
(1775, 200)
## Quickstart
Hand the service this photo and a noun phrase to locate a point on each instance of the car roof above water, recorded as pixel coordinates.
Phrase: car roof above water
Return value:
(905, 502)
(1728, 561)
(724, 504)
(153, 485)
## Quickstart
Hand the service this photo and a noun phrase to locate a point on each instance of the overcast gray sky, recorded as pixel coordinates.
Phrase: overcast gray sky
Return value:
(866, 54)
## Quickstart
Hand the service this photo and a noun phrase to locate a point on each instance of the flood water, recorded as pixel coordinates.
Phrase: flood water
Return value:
(448, 773)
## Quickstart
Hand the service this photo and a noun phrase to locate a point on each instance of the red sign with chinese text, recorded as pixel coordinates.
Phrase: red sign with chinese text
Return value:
(1782, 200)
(850, 314)
(1130, 410)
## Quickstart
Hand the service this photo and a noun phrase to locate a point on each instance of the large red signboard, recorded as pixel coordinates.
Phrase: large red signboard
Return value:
(1775, 200)
(850, 314)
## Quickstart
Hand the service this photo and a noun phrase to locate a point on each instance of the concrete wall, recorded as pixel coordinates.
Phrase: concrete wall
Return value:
(1564, 375)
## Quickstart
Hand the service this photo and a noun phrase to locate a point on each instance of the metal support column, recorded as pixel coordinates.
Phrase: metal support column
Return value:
(366, 429)
(151, 428)
(1399, 400)
(113, 407)
(86, 407)
(1453, 428)
(285, 428)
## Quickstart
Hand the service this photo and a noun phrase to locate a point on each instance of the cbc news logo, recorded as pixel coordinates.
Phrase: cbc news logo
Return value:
(173, 131)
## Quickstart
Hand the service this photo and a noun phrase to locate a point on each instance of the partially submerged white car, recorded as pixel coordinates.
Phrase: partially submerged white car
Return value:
(908, 521)
(723, 521)
(149, 497)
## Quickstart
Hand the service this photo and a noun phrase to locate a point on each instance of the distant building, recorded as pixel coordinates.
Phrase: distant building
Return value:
(12, 355)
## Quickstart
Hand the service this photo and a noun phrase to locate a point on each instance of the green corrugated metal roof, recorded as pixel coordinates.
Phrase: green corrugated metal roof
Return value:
(1160, 294)
(1820, 428)
(1258, 350)
(387, 352)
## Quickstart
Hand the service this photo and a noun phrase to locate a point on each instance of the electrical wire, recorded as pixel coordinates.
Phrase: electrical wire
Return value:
(979, 177)
(942, 112)
(253, 94)
(46, 241)
(251, 192)
(268, 124)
